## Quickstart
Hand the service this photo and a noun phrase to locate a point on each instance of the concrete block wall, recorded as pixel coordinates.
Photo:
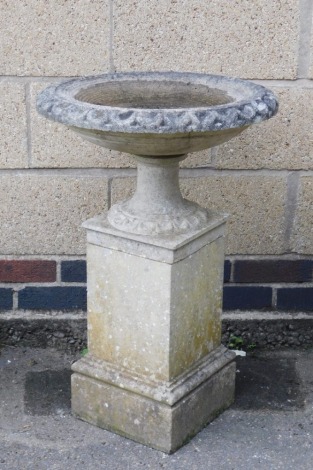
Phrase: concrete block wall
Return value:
(51, 181)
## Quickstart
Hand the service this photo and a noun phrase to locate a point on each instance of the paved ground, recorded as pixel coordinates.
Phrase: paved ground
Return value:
(270, 426)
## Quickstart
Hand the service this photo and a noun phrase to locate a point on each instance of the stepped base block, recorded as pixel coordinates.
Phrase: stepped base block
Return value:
(150, 419)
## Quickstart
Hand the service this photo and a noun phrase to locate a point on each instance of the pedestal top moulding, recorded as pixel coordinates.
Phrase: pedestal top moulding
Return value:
(159, 116)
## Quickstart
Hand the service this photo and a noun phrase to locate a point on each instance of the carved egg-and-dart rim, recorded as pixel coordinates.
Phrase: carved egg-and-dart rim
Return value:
(58, 102)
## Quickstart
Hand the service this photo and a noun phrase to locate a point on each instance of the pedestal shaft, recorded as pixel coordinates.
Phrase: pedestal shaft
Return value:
(157, 207)
(155, 371)
(156, 319)
(157, 190)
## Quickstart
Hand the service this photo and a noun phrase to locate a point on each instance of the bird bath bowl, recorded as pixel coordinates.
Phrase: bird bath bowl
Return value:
(159, 117)
(156, 371)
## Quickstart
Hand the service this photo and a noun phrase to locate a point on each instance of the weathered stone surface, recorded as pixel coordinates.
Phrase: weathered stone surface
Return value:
(67, 37)
(302, 234)
(42, 214)
(159, 247)
(54, 145)
(284, 142)
(242, 40)
(157, 113)
(157, 206)
(152, 422)
(13, 137)
(175, 323)
(255, 203)
(155, 371)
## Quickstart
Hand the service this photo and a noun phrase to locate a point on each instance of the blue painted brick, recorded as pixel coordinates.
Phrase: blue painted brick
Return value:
(297, 298)
(6, 299)
(227, 268)
(247, 298)
(73, 271)
(53, 298)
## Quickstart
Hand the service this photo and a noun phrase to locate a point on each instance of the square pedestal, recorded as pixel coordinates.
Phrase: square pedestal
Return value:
(155, 371)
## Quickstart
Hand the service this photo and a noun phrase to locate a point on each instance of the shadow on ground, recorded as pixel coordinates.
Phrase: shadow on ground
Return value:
(268, 383)
(48, 392)
(261, 383)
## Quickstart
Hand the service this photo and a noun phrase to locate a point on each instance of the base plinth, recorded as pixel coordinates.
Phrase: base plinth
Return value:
(128, 408)
(156, 371)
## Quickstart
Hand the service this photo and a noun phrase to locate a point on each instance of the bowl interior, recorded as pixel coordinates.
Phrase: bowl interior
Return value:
(153, 95)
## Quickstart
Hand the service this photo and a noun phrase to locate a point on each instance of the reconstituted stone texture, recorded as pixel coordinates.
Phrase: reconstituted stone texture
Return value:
(311, 66)
(63, 37)
(13, 136)
(152, 325)
(54, 145)
(302, 235)
(198, 159)
(256, 208)
(150, 422)
(175, 323)
(281, 143)
(242, 40)
(255, 203)
(43, 214)
(177, 103)
(122, 189)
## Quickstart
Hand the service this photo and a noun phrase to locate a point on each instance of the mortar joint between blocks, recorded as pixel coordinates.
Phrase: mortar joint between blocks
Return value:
(232, 269)
(112, 67)
(305, 32)
(292, 190)
(109, 194)
(58, 271)
(274, 298)
(28, 123)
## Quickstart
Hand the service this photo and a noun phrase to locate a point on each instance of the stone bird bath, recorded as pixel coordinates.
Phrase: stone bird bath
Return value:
(156, 371)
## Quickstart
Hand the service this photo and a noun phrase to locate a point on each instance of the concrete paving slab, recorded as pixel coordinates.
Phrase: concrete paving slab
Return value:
(270, 426)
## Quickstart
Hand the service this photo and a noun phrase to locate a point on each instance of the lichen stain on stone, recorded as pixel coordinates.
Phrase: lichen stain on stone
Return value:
(196, 314)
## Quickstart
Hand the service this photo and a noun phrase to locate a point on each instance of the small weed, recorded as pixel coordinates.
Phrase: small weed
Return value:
(235, 342)
(83, 352)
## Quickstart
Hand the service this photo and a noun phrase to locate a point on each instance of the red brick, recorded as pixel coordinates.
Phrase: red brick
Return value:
(27, 271)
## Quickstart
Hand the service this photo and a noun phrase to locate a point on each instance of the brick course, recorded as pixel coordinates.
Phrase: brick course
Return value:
(6, 299)
(52, 298)
(27, 271)
(227, 270)
(295, 299)
(73, 271)
(265, 271)
(247, 298)
(249, 284)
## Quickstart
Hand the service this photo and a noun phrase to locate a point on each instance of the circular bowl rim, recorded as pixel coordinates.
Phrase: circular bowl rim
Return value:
(252, 103)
